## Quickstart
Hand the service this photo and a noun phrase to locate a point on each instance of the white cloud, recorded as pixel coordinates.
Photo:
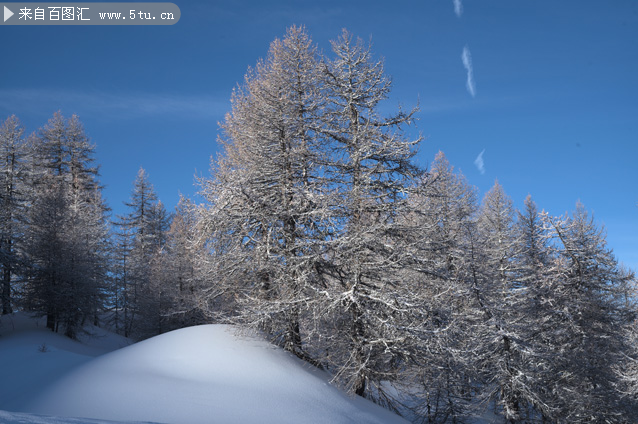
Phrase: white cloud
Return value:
(467, 62)
(458, 8)
(480, 165)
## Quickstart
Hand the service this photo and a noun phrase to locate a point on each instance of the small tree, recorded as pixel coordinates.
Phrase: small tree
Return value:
(142, 238)
(187, 297)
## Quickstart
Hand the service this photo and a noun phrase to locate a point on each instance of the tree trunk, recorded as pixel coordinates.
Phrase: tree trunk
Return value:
(51, 320)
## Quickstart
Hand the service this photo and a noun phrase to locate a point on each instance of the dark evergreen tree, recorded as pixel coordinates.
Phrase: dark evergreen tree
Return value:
(67, 234)
(14, 200)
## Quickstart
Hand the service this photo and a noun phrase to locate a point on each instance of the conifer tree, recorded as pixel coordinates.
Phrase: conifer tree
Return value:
(14, 198)
(142, 237)
(534, 267)
(372, 173)
(443, 207)
(588, 295)
(67, 233)
(187, 297)
(500, 299)
(267, 195)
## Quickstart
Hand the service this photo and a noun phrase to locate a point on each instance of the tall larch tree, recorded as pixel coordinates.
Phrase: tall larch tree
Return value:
(372, 173)
(534, 268)
(266, 197)
(500, 298)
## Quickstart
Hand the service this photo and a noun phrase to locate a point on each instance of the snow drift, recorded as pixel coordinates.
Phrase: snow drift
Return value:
(204, 374)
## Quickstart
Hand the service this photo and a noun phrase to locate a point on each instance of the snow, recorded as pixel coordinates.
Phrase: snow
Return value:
(32, 356)
(22, 418)
(205, 374)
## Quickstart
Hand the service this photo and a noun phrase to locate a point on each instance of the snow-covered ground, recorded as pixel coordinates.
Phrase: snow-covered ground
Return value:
(204, 374)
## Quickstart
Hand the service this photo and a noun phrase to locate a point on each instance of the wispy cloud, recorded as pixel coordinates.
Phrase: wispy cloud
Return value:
(467, 62)
(112, 105)
(458, 8)
(480, 165)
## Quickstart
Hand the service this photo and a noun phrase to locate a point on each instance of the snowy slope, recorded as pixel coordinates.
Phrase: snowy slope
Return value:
(202, 374)
(22, 418)
(32, 357)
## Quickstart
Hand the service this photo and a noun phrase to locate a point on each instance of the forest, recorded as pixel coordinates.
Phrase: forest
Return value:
(316, 228)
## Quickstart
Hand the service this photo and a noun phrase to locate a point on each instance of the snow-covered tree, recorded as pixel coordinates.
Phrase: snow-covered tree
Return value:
(498, 298)
(443, 207)
(180, 273)
(320, 231)
(304, 205)
(121, 267)
(67, 233)
(589, 298)
(134, 251)
(627, 368)
(266, 199)
(14, 200)
(372, 174)
(46, 251)
(534, 267)
(143, 233)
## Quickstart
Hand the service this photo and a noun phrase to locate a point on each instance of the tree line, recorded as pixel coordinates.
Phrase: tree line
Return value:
(318, 230)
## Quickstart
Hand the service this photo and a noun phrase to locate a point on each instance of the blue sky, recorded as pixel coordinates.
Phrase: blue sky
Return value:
(551, 107)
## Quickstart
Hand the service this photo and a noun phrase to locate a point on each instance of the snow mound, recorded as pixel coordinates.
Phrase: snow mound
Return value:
(205, 374)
